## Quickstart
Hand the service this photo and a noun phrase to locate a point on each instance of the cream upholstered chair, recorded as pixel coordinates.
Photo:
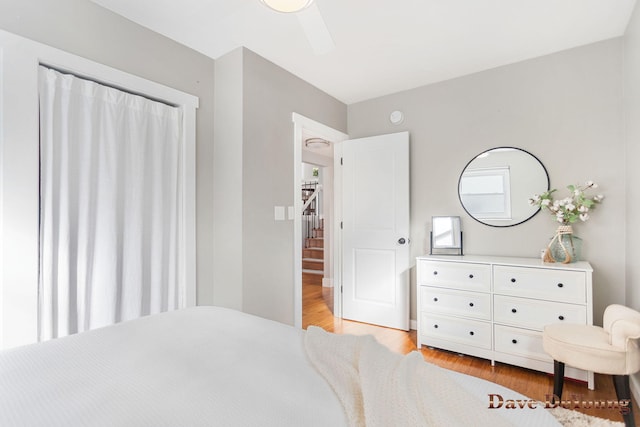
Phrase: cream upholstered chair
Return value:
(612, 349)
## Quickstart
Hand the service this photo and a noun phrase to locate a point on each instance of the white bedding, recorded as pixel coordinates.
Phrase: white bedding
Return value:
(379, 388)
(202, 366)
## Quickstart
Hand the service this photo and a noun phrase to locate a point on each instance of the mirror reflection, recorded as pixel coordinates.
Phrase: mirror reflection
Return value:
(446, 232)
(495, 185)
(446, 235)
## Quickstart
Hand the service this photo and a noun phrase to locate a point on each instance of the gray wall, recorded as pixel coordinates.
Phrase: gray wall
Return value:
(565, 108)
(269, 95)
(632, 138)
(632, 109)
(227, 179)
(85, 29)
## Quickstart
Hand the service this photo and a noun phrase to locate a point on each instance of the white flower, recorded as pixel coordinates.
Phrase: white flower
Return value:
(570, 209)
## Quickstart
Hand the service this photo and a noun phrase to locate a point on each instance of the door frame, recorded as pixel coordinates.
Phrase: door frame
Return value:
(301, 125)
(19, 175)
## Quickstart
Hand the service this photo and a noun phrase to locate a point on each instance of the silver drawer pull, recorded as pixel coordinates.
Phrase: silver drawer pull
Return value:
(513, 310)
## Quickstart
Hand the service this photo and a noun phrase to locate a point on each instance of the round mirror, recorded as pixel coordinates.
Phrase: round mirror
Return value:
(495, 186)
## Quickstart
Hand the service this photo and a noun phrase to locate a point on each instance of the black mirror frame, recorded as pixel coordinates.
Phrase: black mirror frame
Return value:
(494, 148)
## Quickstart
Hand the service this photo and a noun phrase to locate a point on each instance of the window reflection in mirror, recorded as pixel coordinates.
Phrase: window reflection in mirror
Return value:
(495, 186)
(486, 192)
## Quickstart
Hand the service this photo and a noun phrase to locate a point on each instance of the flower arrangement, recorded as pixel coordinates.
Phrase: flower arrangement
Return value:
(569, 209)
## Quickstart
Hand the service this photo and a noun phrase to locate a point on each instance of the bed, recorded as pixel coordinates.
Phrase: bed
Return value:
(201, 366)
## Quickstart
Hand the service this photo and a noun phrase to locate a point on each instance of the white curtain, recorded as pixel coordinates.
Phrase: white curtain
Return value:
(110, 197)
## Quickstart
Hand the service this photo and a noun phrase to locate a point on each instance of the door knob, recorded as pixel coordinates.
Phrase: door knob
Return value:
(402, 240)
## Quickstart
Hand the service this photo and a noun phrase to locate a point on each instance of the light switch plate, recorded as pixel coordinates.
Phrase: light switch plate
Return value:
(278, 212)
(290, 212)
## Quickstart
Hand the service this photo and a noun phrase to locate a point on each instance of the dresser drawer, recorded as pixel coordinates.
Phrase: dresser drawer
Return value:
(535, 314)
(463, 331)
(459, 275)
(456, 303)
(519, 342)
(541, 283)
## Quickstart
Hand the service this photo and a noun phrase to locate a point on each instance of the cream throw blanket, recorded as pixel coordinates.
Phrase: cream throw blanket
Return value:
(381, 388)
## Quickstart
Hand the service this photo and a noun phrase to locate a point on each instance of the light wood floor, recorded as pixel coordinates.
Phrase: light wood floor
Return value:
(318, 309)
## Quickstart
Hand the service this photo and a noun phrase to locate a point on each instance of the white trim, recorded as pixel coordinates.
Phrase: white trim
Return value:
(300, 124)
(337, 230)
(327, 282)
(634, 384)
(1, 196)
(19, 143)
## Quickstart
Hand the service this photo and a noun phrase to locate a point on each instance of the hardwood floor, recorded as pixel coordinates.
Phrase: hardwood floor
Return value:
(318, 310)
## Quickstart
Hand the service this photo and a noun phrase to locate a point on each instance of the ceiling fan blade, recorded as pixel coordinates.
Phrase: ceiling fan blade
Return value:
(316, 30)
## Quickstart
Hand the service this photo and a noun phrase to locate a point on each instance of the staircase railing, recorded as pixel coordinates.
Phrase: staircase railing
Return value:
(311, 207)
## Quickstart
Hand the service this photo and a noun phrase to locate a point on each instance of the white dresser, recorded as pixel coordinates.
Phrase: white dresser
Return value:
(496, 307)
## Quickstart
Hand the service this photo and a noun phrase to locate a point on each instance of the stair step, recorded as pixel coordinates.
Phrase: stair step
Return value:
(312, 264)
(314, 242)
(317, 253)
(312, 277)
(314, 272)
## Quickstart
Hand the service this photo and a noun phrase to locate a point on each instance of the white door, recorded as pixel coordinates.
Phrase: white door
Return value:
(375, 230)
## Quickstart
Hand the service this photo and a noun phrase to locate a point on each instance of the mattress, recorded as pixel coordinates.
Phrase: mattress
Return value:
(201, 366)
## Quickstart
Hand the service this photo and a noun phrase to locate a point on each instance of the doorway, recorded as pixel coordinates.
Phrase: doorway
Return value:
(318, 153)
(317, 219)
(316, 193)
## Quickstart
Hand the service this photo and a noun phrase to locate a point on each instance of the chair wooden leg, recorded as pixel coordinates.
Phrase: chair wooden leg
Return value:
(623, 392)
(558, 379)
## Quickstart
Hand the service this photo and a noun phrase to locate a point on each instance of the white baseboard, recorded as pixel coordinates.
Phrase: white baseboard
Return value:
(327, 282)
(413, 324)
(634, 385)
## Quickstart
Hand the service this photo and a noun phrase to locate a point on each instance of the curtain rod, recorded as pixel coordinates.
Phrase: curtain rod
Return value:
(64, 71)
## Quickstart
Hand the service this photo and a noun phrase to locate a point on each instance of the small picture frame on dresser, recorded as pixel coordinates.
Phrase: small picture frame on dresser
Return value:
(445, 236)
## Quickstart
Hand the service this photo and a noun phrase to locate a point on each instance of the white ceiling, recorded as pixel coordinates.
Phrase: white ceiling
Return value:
(385, 46)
